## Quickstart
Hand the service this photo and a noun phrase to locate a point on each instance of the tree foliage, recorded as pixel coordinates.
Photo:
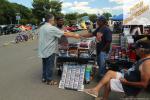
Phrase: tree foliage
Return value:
(42, 7)
(5, 11)
(8, 12)
(83, 14)
(93, 17)
(107, 15)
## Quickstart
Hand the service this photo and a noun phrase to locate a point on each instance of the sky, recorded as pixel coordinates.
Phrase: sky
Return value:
(82, 6)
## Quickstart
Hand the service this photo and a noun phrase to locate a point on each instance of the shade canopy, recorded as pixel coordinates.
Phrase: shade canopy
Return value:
(117, 18)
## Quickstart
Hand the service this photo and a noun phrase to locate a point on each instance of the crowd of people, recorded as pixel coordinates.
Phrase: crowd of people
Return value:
(131, 82)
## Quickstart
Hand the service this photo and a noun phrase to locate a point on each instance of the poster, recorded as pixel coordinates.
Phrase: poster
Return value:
(136, 12)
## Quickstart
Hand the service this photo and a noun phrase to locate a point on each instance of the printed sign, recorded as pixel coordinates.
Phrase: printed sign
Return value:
(18, 17)
(136, 12)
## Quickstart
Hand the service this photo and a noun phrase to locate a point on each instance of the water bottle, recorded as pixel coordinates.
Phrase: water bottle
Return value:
(88, 74)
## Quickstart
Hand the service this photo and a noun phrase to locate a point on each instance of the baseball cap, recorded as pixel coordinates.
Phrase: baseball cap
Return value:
(143, 44)
(101, 18)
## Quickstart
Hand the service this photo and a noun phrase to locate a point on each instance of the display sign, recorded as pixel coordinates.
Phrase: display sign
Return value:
(18, 17)
(136, 12)
(72, 77)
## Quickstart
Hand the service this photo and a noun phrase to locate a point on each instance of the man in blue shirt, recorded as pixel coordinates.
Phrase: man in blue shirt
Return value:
(104, 38)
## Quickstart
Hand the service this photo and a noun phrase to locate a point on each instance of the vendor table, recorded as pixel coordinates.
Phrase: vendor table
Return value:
(61, 59)
(117, 65)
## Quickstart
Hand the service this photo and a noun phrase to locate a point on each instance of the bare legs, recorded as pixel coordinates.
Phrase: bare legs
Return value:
(104, 82)
(106, 91)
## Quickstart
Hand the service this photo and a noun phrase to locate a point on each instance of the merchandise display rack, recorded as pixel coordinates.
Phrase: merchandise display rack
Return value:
(73, 63)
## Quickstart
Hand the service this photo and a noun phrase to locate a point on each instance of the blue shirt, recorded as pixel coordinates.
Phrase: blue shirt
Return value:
(107, 37)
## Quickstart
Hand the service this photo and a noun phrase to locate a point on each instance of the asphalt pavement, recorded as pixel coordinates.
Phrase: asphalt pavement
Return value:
(20, 76)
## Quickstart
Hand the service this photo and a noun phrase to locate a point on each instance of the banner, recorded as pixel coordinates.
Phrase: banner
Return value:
(136, 12)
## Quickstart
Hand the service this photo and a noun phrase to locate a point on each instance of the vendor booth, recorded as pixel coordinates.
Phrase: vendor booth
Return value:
(123, 56)
(76, 60)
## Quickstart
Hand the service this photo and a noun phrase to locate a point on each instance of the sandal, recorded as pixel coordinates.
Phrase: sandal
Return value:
(99, 98)
(52, 82)
(91, 92)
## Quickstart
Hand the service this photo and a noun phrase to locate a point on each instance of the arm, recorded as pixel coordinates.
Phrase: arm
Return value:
(86, 35)
(73, 35)
(145, 77)
(139, 31)
(142, 84)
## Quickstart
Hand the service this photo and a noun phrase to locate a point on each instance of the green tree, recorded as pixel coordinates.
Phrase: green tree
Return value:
(8, 12)
(42, 7)
(24, 12)
(55, 7)
(107, 15)
(5, 12)
(83, 14)
(93, 17)
(23, 21)
(34, 21)
(71, 18)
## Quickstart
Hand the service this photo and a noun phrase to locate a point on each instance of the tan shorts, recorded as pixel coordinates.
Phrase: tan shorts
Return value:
(115, 84)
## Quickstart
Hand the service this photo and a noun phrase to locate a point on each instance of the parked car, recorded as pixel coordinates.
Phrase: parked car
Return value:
(10, 29)
(71, 28)
(1, 31)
